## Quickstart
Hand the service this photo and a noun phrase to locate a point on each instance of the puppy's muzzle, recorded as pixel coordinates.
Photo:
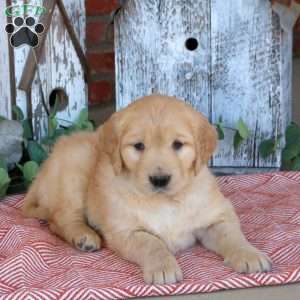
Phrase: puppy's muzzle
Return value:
(160, 181)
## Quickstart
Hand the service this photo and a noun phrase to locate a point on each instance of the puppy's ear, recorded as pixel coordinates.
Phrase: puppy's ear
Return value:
(206, 142)
(109, 135)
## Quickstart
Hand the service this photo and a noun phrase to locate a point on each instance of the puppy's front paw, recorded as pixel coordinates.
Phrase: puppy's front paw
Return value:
(248, 260)
(88, 241)
(163, 270)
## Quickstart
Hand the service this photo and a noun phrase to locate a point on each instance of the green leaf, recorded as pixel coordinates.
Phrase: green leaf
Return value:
(237, 141)
(292, 134)
(36, 152)
(55, 108)
(2, 118)
(20, 167)
(52, 125)
(18, 113)
(27, 131)
(4, 182)
(242, 128)
(87, 125)
(83, 116)
(296, 164)
(3, 164)
(30, 170)
(220, 131)
(290, 151)
(286, 165)
(267, 147)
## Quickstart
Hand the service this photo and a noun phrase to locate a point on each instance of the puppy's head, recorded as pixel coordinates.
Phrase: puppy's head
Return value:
(159, 142)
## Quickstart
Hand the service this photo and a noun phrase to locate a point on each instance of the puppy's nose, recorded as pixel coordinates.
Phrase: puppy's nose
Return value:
(160, 181)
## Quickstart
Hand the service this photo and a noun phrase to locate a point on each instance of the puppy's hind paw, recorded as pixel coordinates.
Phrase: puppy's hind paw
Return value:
(87, 242)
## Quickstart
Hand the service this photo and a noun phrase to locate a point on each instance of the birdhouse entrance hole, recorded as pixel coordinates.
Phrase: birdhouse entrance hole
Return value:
(61, 96)
(191, 44)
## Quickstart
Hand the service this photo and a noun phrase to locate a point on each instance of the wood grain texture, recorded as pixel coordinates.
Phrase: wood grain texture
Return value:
(33, 56)
(151, 56)
(5, 89)
(20, 56)
(241, 69)
(60, 68)
(246, 66)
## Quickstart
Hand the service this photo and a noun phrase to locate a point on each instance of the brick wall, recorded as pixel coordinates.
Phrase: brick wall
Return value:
(297, 39)
(100, 48)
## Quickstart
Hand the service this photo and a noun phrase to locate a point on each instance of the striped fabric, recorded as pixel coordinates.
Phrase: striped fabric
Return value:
(34, 264)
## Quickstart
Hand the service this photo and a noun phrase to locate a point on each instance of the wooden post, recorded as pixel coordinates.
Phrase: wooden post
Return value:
(6, 95)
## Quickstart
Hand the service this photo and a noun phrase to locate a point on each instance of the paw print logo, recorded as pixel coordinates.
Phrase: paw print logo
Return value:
(24, 31)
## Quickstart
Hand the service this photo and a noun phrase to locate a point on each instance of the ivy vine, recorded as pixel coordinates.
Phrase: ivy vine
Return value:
(290, 153)
(35, 153)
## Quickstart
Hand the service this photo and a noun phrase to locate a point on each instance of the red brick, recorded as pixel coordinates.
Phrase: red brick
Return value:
(100, 91)
(297, 27)
(100, 7)
(101, 62)
(97, 32)
(297, 46)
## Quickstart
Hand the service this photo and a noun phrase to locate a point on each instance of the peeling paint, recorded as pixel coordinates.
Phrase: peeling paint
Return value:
(240, 69)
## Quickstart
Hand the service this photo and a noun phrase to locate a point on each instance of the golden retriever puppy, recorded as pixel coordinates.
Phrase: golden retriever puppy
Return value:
(141, 183)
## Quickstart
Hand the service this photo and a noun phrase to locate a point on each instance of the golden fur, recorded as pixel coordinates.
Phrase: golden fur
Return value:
(98, 187)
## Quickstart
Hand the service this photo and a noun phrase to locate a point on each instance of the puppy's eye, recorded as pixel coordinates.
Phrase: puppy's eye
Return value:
(139, 146)
(177, 145)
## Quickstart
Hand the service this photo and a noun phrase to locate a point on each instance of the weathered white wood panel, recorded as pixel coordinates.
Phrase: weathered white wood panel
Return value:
(77, 17)
(20, 56)
(151, 56)
(5, 88)
(60, 68)
(247, 78)
(240, 70)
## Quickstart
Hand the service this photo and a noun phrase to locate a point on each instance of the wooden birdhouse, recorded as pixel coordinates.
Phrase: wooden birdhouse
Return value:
(229, 59)
(55, 68)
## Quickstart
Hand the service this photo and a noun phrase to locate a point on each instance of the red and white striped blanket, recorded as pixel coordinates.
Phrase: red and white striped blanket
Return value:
(35, 264)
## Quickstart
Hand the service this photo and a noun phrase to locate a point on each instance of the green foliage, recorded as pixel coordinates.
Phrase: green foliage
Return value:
(36, 152)
(241, 134)
(4, 182)
(18, 113)
(292, 134)
(2, 118)
(242, 129)
(237, 140)
(27, 131)
(267, 147)
(295, 166)
(220, 130)
(26, 124)
(3, 164)
(52, 125)
(291, 152)
(30, 170)
(83, 122)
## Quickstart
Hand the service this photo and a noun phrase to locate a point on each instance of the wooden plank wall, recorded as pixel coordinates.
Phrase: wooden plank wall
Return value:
(60, 67)
(5, 88)
(151, 56)
(240, 69)
(20, 55)
(247, 78)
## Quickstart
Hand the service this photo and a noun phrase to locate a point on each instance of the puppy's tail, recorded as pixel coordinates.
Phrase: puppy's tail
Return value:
(31, 207)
